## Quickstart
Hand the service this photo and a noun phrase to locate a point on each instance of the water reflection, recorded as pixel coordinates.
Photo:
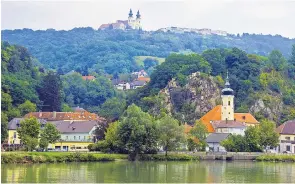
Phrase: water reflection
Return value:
(162, 172)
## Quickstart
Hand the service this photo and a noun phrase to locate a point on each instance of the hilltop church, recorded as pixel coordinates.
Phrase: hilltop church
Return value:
(223, 119)
(129, 24)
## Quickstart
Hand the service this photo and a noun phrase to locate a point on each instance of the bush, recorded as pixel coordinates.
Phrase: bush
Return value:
(276, 158)
(91, 147)
(102, 146)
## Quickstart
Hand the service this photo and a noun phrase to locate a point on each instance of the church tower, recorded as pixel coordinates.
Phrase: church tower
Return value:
(130, 17)
(227, 96)
(137, 21)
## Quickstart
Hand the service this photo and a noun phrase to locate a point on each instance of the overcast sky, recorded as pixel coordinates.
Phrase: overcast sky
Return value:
(234, 16)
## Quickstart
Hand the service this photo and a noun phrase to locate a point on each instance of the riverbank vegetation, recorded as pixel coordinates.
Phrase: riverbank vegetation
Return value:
(52, 157)
(276, 158)
(55, 157)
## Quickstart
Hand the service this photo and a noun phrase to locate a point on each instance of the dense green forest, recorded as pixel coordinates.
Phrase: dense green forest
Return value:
(28, 85)
(113, 51)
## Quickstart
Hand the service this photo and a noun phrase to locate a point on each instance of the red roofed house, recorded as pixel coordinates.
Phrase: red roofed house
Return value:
(76, 128)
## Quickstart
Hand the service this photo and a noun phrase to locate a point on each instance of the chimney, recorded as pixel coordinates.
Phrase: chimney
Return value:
(73, 128)
(40, 114)
(54, 114)
(226, 120)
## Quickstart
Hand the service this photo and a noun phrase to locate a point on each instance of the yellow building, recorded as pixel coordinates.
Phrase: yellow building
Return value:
(12, 133)
(75, 135)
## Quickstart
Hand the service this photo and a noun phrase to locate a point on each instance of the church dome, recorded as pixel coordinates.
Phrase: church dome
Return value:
(227, 91)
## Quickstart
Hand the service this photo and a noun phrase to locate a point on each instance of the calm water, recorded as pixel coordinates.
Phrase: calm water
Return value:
(156, 172)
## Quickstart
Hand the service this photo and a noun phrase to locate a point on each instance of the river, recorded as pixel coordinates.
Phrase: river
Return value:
(155, 172)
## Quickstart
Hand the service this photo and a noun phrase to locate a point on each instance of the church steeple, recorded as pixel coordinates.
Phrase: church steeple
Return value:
(227, 96)
(130, 13)
(138, 15)
(227, 90)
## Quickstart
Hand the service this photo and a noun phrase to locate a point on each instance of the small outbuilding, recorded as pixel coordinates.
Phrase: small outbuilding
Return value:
(214, 140)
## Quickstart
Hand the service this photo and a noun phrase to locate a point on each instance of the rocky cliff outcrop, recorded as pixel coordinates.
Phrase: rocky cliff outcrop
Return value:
(269, 107)
(191, 101)
(201, 93)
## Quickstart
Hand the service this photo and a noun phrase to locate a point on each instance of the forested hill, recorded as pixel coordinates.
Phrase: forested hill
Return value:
(113, 51)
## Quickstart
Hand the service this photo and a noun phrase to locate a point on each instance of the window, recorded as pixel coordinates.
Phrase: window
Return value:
(14, 135)
(287, 138)
(67, 137)
(228, 102)
(229, 113)
(288, 148)
(74, 137)
(79, 137)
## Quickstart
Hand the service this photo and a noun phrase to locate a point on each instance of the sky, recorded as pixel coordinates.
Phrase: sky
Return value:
(234, 16)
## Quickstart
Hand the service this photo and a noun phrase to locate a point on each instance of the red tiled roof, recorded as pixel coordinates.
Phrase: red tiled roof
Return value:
(59, 116)
(90, 77)
(146, 79)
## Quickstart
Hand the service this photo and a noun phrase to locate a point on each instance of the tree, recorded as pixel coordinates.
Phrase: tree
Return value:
(291, 64)
(100, 130)
(6, 101)
(4, 127)
(200, 132)
(112, 108)
(28, 132)
(50, 134)
(235, 143)
(277, 60)
(137, 132)
(252, 137)
(43, 143)
(66, 108)
(171, 134)
(30, 142)
(268, 135)
(112, 138)
(149, 62)
(292, 58)
(51, 92)
(27, 107)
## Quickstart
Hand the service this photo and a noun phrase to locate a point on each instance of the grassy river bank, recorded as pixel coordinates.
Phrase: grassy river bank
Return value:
(55, 157)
